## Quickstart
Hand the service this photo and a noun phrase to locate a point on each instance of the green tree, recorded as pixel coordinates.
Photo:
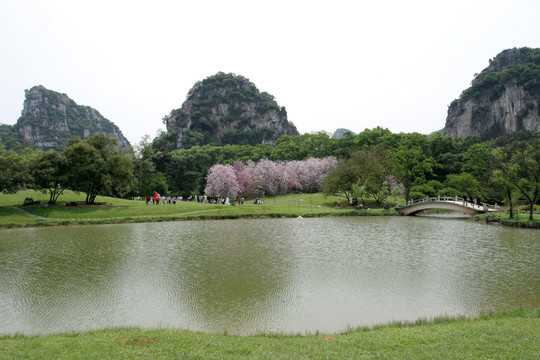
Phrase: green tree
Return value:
(373, 167)
(49, 173)
(383, 193)
(189, 167)
(318, 144)
(97, 167)
(86, 169)
(441, 144)
(445, 150)
(143, 167)
(464, 183)
(359, 192)
(476, 159)
(365, 170)
(14, 171)
(449, 163)
(342, 179)
(343, 147)
(158, 182)
(430, 188)
(289, 148)
(165, 141)
(376, 136)
(119, 169)
(503, 174)
(508, 191)
(410, 163)
(523, 170)
(117, 177)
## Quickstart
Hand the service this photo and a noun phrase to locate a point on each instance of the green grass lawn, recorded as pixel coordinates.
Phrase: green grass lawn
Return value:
(121, 210)
(519, 218)
(514, 334)
(10, 217)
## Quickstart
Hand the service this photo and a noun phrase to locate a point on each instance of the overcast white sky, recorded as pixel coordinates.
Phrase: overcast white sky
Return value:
(332, 64)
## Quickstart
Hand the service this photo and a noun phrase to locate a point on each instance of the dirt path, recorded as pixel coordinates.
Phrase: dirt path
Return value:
(26, 213)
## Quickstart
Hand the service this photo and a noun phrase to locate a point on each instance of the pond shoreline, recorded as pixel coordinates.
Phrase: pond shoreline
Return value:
(45, 222)
(528, 225)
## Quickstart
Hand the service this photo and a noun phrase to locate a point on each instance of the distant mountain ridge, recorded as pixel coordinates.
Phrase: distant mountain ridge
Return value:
(228, 109)
(502, 99)
(49, 119)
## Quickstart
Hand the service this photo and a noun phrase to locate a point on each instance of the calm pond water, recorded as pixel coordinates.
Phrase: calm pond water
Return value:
(272, 275)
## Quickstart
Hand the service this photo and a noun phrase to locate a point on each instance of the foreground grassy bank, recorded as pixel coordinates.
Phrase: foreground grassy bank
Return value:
(512, 334)
(12, 214)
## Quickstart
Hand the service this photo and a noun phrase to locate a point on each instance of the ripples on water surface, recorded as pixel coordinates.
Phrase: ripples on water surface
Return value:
(272, 275)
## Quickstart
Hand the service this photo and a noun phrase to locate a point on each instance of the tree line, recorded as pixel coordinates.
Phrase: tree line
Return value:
(94, 166)
(502, 170)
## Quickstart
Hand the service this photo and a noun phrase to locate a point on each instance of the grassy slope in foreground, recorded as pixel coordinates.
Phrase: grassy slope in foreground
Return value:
(513, 334)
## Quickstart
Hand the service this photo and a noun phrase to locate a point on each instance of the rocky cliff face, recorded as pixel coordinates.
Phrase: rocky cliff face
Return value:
(228, 109)
(503, 98)
(49, 119)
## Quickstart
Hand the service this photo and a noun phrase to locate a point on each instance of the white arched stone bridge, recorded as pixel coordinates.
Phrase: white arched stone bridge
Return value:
(413, 207)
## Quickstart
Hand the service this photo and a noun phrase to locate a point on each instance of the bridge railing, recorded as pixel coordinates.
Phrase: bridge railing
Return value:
(457, 200)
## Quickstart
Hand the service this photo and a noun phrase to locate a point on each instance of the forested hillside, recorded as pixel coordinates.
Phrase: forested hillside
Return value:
(49, 119)
(226, 109)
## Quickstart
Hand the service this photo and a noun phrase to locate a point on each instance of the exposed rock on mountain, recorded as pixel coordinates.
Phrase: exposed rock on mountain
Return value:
(49, 119)
(502, 99)
(227, 109)
(339, 133)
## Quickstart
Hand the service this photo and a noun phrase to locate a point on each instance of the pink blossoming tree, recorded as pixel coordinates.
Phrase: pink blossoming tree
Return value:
(243, 177)
(268, 177)
(221, 181)
(313, 171)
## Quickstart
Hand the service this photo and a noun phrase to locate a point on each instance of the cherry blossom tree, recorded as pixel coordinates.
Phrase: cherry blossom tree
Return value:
(268, 177)
(313, 171)
(243, 177)
(221, 181)
(248, 187)
(289, 176)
